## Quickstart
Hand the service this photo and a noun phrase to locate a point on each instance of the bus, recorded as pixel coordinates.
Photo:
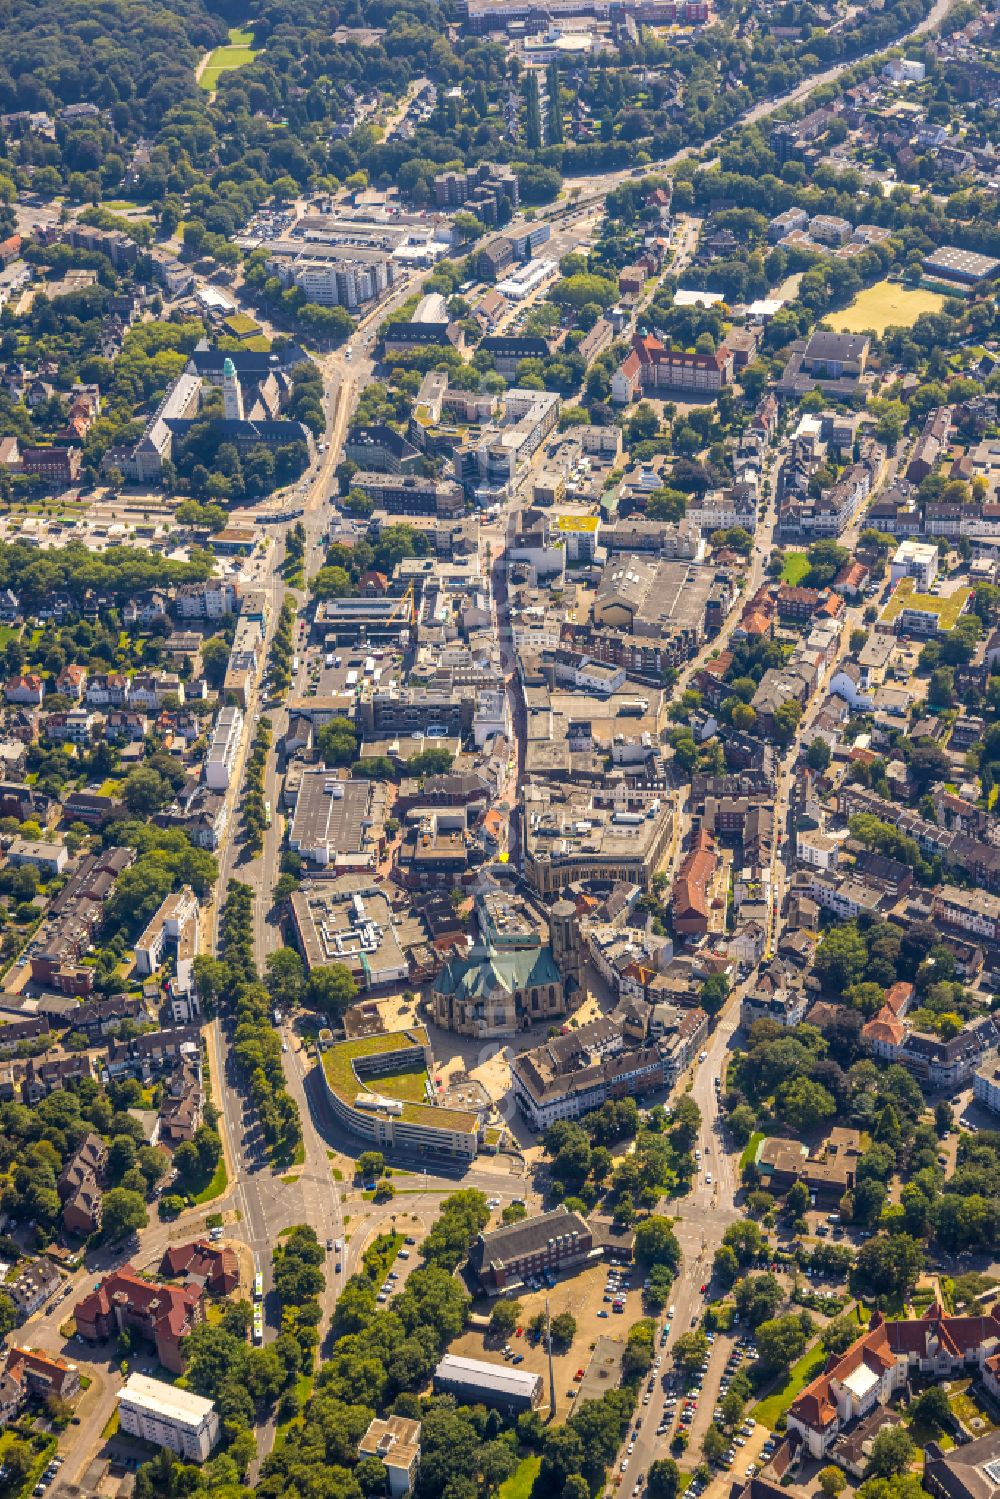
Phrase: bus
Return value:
(258, 1327)
(258, 1287)
(267, 814)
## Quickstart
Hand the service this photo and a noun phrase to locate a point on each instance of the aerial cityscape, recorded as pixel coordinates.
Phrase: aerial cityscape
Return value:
(500, 739)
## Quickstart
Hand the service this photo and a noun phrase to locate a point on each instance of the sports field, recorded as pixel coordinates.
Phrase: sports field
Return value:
(237, 54)
(884, 305)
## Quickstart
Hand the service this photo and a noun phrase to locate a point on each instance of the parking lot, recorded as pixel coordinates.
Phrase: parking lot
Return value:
(583, 1295)
(48, 1476)
(693, 1402)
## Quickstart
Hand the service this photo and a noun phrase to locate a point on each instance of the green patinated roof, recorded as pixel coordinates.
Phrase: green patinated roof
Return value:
(488, 969)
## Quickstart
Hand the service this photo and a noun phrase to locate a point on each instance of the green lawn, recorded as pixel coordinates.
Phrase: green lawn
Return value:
(521, 1481)
(799, 1375)
(408, 1086)
(239, 52)
(216, 1186)
(795, 568)
(750, 1149)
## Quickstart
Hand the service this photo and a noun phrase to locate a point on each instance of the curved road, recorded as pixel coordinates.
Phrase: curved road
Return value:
(263, 1202)
(586, 189)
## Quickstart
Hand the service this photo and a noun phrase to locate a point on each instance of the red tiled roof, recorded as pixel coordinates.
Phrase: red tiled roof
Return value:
(879, 1347)
(690, 893)
(172, 1302)
(898, 997)
(756, 623)
(885, 1027)
(47, 1365)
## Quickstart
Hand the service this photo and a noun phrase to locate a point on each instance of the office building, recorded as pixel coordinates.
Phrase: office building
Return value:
(349, 922)
(358, 1078)
(568, 836)
(509, 1256)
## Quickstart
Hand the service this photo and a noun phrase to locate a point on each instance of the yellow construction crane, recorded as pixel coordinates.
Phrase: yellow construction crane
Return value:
(406, 600)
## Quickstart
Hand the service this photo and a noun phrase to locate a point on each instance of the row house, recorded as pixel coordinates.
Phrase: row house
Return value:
(16, 1031)
(74, 917)
(148, 609)
(79, 1187)
(213, 599)
(148, 690)
(975, 912)
(99, 1017)
(106, 690)
(955, 520)
(801, 605)
(31, 1374)
(122, 726)
(182, 1103)
(28, 689)
(930, 445)
(34, 1285)
(78, 726)
(978, 861)
(934, 1062)
(779, 996)
(846, 896)
(200, 811)
(53, 1073)
(72, 680)
(148, 1055)
(897, 513)
(92, 807)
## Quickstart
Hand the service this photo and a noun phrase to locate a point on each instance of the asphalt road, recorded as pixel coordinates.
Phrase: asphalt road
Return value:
(585, 188)
(265, 1203)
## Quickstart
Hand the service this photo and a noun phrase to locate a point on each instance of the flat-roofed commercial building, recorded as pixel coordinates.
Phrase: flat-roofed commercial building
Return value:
(568, 837)
(658, 600)
(474, 1382)
(338, 824)
(186, 1423)
(961, 265)
(351, 1072)
(349, 922)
